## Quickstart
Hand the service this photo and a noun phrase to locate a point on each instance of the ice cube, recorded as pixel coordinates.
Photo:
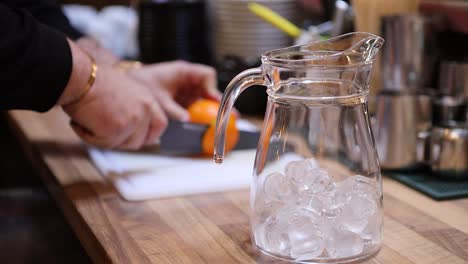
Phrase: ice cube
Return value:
(273, 237)
(321, 204)
(294, 168)
(306, 237)
(355, 198)
(295, 215)
(314, 206)
(372, 231)
(304, 214)
(277, 187)
(297, 168)
(265, 209)
(313, 163)
(343, 243)
(322, 182)
(312, 181)
(342, 193)
(355, 214)
(331, 205)
(359, 184)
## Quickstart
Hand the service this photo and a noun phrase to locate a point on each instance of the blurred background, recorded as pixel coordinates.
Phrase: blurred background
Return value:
(419, 90)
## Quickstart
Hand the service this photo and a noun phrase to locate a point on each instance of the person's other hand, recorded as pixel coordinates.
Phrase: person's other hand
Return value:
(177, 84)
(118, 112)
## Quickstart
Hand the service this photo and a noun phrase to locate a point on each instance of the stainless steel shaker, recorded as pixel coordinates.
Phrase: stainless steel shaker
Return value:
(451, 101)
(447, 151)
(402, 109)
(446, 143)
(399, 120)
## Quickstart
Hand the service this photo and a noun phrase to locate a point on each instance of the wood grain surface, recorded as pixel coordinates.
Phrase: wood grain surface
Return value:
(211, 228)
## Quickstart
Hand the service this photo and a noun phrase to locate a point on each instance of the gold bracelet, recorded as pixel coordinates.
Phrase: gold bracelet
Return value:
(126, 65)
(89, 84)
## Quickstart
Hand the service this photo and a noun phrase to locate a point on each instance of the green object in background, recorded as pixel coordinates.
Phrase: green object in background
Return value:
(430, 185)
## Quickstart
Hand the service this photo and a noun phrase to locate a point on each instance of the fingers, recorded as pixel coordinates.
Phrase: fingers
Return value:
(174, 110)
(149, 130)
(87, 136)
(210, 84)
(185, 82)
(171, 107)
(207, 80)
(158, 124)
(201, 78)
(110, 140)
(136, 139)
(143, 131)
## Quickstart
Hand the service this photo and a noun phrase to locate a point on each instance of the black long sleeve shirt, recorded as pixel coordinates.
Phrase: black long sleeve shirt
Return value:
(35, 59)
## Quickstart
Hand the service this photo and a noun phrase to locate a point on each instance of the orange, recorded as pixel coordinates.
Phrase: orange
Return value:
(205, 111)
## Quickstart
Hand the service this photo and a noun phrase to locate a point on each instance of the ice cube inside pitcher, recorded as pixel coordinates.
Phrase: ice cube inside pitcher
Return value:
(314, 217)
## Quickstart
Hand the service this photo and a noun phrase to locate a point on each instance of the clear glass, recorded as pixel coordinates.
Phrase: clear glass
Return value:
(316, 193)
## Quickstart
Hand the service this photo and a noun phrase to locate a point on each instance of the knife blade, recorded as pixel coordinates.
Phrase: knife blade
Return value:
(184, 138)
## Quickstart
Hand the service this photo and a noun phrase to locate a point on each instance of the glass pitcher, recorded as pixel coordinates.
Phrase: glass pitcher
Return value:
(316, 193)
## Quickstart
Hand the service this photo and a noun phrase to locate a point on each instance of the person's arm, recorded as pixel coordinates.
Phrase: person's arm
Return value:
(35, 62)
(49, 13)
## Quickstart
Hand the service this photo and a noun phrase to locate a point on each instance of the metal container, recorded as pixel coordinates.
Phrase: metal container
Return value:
(409, 55)
(453, 79)
(403, 109)
(447, 141)
(449, 111)
(451, 103)
(448, 151)
(398, 121)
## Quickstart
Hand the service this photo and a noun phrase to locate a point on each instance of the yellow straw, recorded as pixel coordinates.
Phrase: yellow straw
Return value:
(275, 19)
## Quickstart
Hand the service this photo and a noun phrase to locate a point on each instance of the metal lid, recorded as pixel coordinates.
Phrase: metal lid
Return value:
(448, 111)
(453, 79)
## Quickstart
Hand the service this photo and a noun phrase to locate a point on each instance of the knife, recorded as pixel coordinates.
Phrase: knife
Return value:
(185, 138)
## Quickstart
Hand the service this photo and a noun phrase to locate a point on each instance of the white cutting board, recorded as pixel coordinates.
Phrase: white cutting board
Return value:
(142, 176)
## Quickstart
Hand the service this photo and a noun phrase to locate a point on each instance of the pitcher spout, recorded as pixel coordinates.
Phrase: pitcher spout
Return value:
(351, 49)
(368, 45)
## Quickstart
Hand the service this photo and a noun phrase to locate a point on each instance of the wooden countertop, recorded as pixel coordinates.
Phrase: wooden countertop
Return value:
(211, 228)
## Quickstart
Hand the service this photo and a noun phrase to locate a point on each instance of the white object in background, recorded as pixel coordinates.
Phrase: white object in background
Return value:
(114, 27)
(80, 16)
(141, 176)
(309, 36)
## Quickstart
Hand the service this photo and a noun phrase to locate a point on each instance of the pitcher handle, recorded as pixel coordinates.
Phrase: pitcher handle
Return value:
(235, 87)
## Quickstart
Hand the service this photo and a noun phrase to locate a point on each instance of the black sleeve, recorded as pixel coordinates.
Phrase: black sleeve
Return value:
(35, 62)
(47, 12)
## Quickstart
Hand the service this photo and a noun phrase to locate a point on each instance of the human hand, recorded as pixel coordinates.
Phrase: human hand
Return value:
(118, 112)
(177, 84)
